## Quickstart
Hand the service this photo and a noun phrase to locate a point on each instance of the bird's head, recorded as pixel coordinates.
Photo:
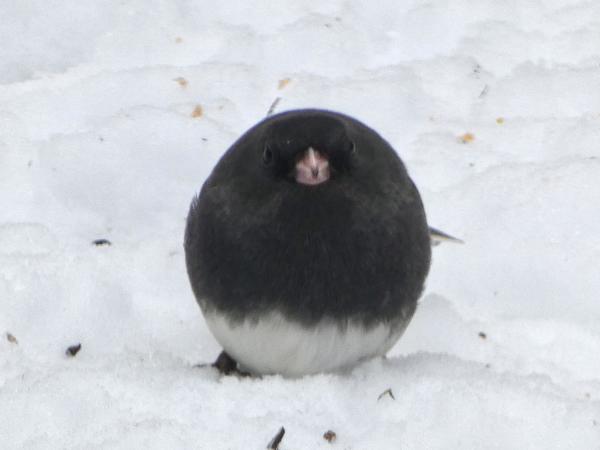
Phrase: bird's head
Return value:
(307, 159)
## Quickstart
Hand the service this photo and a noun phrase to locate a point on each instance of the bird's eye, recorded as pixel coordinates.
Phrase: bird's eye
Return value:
(267, 156)
(353, 148)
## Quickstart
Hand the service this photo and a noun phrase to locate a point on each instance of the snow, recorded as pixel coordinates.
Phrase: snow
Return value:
(97, 141)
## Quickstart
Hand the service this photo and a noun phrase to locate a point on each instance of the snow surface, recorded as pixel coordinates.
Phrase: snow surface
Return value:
(494, 107)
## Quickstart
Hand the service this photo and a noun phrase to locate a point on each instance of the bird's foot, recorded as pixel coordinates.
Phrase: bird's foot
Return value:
(226, 365)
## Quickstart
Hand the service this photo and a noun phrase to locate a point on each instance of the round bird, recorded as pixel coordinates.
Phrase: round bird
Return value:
(308, 246)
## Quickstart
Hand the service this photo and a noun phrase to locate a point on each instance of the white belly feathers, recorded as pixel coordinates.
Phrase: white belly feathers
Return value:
(275, 345)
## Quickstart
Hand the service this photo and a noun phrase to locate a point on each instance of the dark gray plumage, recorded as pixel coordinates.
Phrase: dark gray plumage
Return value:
(307, 235)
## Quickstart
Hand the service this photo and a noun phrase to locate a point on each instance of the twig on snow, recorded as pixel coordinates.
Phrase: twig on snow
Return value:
(273, 106)
(274, 444)
(386, 392)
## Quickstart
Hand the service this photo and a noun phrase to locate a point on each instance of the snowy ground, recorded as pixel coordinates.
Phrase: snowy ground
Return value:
(495, 108)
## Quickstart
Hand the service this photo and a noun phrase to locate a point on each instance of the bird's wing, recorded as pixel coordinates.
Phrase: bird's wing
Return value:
(437, 237)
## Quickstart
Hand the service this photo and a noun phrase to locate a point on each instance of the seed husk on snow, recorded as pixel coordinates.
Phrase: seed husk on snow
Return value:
(101, 242)
(330, 436)
(73, 350)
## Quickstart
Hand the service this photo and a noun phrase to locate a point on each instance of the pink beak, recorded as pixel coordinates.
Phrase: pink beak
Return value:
(312, 168)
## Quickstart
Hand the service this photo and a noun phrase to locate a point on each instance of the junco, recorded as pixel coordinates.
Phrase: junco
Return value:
(308, 247)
